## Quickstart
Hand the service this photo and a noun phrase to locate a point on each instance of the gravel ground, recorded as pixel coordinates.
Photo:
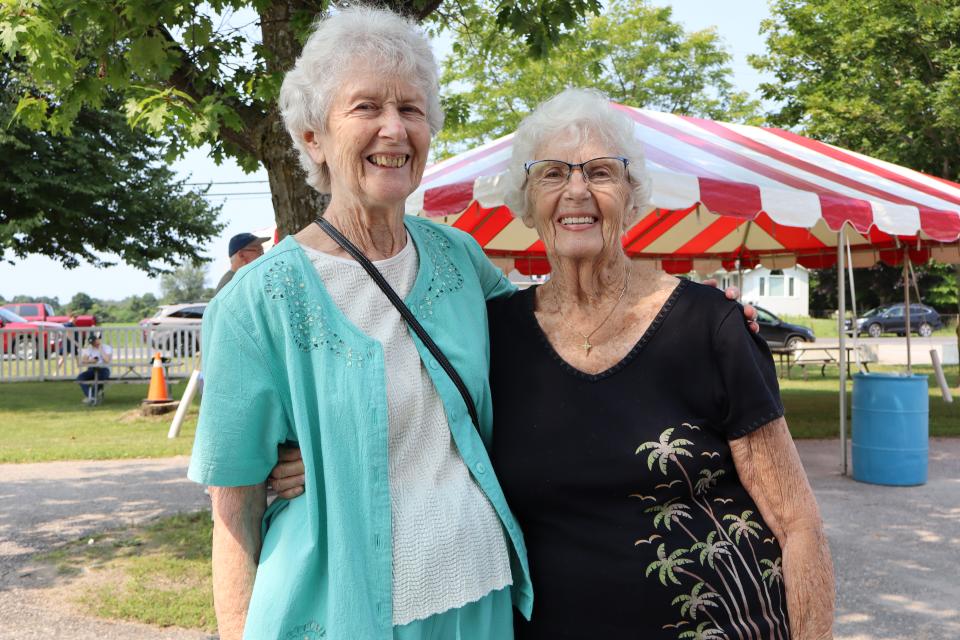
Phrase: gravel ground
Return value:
(896, 549)
(44, 505)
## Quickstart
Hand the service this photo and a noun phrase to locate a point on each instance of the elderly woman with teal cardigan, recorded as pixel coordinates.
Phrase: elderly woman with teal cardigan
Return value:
(403, 530)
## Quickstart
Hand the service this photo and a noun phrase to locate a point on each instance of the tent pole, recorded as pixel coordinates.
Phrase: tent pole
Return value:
(842, 356)
(906, 306)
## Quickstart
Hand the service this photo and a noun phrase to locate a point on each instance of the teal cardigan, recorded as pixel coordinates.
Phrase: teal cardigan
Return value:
(282, 363)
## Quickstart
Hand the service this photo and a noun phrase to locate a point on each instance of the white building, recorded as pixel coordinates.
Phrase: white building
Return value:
(780, 291)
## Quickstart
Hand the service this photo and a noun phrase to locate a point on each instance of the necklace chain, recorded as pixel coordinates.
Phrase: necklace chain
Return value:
(586, 346)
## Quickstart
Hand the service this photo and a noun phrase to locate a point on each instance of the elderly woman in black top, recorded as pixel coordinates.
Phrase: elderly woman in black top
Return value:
(639, 434)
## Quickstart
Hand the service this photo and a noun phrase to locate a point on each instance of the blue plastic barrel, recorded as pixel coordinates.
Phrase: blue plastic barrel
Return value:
(890, 428)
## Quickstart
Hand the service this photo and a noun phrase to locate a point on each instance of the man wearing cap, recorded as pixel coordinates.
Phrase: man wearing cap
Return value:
(244, 249)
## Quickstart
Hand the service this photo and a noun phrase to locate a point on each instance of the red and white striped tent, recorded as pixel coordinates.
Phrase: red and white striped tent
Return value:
(725, 196)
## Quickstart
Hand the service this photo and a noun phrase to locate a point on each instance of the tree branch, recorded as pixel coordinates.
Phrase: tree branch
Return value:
(185, 77)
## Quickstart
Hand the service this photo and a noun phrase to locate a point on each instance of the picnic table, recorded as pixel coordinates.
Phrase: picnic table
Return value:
(818, 355)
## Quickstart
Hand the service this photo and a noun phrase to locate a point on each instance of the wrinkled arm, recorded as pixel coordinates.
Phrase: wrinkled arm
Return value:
(237, 513)
(770, 470)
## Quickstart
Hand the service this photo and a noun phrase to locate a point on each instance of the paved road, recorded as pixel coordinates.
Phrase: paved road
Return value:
(896, 550)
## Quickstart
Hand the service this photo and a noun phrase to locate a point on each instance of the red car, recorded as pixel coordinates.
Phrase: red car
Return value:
(40, 312)
(25, 341)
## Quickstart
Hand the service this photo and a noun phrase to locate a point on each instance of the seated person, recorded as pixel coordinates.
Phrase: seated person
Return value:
(97, 355)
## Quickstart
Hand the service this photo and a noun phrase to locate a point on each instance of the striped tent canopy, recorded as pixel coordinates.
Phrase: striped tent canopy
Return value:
(724, 196)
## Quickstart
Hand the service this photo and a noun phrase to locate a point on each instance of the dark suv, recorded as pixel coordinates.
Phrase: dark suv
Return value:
(778, 333)
(891, 319)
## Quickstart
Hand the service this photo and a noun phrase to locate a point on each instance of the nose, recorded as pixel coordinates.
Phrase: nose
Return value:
(576, 186)
(392, 126)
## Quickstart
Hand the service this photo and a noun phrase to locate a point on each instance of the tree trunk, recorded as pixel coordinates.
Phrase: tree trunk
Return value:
(295, 204)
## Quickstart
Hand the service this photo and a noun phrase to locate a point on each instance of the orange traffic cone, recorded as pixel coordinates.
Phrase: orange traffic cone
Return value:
(158, 382)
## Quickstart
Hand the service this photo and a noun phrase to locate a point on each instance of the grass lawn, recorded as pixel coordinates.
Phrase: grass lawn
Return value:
(159, 574)
(812, 405)
(45, 421)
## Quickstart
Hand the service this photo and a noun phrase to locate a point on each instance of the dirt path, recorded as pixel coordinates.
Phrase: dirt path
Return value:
(48, 504)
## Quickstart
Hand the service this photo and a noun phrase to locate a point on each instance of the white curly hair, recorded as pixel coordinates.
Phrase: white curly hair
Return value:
(574, 116)
(375, 38)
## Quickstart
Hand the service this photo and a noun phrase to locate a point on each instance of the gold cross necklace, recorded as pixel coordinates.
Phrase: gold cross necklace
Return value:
(586, 346)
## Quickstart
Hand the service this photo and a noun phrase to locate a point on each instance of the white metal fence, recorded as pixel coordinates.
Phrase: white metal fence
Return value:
(54, 354)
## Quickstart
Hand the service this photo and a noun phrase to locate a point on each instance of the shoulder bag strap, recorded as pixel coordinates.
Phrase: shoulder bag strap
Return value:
(378, 278)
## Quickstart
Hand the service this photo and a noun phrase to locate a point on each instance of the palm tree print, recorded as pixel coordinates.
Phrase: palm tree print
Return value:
(773, 573)
(703, 632)
(726, 600)
(665, 450)
(696, 601)
(742, 524)
(710, 550)
(666, 564)
(669, 512)
(708, 480)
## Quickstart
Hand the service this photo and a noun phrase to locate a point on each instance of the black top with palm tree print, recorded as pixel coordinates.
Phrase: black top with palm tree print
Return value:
(636, 523)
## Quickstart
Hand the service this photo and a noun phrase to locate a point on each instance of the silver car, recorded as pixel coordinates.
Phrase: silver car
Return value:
(175, 328)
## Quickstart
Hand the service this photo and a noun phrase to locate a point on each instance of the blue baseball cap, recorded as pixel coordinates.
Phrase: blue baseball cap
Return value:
(241, 240)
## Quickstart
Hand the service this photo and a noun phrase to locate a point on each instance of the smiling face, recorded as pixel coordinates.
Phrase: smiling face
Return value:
(377, 139)
(577, 220)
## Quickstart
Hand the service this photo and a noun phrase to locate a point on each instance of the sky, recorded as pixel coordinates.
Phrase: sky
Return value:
(736, 21)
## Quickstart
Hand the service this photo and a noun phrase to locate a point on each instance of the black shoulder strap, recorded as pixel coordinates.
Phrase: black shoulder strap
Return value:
(357, 255)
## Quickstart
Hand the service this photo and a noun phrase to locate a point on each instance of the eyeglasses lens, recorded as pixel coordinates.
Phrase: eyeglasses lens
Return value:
(599, 171)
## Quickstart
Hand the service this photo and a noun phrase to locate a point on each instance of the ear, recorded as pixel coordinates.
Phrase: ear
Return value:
(312, 141)
(526, 217)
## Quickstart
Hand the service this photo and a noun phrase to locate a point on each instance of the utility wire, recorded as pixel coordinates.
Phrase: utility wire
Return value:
(203, 184)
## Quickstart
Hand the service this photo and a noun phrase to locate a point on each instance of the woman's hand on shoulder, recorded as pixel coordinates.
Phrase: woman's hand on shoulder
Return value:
(733, 293)
(287, 477)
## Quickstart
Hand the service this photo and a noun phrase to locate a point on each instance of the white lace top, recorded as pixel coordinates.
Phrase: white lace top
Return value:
(449, 548)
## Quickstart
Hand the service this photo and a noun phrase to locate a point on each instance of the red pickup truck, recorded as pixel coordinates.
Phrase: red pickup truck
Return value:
(40, 312)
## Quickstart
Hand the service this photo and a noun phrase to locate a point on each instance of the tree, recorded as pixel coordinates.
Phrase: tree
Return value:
(80, 303)
(189, 73)
(880, 77)
(633, 52)
(101, 190)
(185, 284)
(883, 284)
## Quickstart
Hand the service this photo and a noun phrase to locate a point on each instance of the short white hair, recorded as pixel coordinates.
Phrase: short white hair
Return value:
(574, 116)
(390, 44)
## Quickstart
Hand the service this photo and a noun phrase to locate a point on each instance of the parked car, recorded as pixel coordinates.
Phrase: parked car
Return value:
(891, 319)
(42, 312)
(168, 329)
(782, 334)
(25, 342)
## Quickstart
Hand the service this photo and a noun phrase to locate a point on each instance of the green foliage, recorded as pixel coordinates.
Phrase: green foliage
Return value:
(883, 284)
(102, 189)
(80, 303)
(878, 76)
(185, 284)
(206, 73)
(633, 52)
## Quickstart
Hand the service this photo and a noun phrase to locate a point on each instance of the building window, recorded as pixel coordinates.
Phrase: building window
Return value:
(790, 287)
(761, 288)
(776, 283)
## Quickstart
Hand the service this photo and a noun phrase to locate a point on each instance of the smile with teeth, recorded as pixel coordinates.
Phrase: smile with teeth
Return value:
(574, 220)
(393, 162)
